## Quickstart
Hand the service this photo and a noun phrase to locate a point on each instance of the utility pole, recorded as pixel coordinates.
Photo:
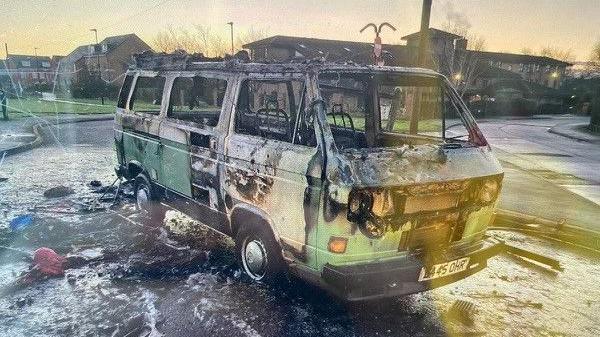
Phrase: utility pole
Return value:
(231, 26)
(422, 62)
(6, 49)
(35, 51)
(424, 34)
(98, 63)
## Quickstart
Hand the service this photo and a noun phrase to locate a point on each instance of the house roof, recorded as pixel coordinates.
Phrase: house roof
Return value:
(111, 43)
(433, 33)
(519, 58)
(34, 61)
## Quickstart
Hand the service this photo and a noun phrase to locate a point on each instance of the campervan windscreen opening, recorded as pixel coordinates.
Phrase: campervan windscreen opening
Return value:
(367, 111)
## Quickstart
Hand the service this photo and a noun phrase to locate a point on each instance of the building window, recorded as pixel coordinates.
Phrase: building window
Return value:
(147, 95)
(197, 99)
(45, 64)
(26, 63)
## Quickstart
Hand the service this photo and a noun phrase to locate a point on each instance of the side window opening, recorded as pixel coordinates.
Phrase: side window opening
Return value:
(269, 108)
(197, 99)
(147, 95)
(124, 94)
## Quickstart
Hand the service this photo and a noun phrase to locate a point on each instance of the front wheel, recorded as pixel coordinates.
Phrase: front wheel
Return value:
(146, 199)
(259, 254)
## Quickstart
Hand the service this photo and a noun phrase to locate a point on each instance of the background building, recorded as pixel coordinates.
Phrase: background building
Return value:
(532, 80)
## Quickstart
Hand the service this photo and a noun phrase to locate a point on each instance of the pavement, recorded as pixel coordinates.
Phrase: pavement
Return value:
(577, 131)
(23, 133)
(548, 175)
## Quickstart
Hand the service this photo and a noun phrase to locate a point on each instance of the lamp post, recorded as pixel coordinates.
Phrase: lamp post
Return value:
(35, 49)
(98, 63)
(231, 29)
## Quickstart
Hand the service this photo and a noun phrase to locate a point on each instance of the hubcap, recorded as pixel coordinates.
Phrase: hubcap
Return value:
(142, 198)
(255, 259)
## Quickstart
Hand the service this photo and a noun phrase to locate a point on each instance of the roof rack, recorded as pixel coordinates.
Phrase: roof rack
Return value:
(181, 60)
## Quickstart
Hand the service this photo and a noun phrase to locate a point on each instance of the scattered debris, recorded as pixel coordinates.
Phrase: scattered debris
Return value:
(48, 262)
(58, 192)
(21, 222)
(95, 183)
(462, 311)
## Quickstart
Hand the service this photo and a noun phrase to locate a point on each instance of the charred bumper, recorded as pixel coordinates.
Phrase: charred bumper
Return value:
(401, 277)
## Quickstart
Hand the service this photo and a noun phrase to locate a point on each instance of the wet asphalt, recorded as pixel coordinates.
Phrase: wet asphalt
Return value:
(131, 278)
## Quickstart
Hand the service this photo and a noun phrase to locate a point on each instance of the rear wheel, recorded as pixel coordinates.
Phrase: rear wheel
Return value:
(146, 199)
(259, 254)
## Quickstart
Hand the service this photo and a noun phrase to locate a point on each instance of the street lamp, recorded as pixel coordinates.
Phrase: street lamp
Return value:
(98, 62)
(231, 26)
(35, 51)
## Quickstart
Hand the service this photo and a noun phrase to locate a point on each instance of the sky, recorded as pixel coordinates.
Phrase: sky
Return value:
(56, 27)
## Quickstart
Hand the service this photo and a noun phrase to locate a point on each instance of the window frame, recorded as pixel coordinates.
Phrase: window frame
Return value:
(134, 87)
(229, 83)
(301, 104)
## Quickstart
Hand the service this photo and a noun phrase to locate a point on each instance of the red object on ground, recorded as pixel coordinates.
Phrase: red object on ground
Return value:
(48, 262)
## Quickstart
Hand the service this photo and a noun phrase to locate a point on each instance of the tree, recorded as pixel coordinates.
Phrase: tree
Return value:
(462, 65)
(595, 56)
(557, 53)
(202, 39)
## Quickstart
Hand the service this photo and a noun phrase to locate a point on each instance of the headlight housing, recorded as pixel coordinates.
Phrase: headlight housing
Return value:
(360, 211)
(489, 191)
(360, 203)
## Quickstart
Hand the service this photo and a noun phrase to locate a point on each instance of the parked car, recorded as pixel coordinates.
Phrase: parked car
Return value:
(369, 181)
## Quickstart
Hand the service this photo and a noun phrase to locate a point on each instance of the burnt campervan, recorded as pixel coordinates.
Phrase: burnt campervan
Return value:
(369, 181)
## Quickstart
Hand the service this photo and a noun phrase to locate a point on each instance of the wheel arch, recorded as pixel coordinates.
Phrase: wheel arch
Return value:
(134, 168)
(247, 213)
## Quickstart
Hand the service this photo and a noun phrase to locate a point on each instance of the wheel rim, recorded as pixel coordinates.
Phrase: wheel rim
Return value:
(142, 197)
(254, 258)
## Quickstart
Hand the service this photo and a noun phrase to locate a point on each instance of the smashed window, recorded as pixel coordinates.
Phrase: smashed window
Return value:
(147, 96)
(269, 108)
(197, 99)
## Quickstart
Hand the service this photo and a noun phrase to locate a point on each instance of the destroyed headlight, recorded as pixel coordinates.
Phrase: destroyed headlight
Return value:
(489, 191)
(360, 203)
(361, 211)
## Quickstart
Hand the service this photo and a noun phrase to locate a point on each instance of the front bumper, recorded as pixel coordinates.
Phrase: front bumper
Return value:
(401, 277)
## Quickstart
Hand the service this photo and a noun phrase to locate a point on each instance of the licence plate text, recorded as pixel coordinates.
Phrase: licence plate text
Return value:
(443, 269)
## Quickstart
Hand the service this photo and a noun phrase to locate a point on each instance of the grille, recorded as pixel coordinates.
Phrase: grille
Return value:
(430, 234)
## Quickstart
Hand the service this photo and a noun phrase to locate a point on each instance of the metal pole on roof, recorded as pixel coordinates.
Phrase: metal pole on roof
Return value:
(35, 49)
(231, 26)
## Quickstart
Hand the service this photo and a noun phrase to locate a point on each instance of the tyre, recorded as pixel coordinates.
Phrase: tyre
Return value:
(146, 199)
(259, 254)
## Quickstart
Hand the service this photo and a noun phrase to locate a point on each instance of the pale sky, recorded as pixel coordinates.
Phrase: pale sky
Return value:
(56, 27)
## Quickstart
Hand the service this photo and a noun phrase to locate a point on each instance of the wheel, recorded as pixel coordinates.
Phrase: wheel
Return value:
(146, 199)
(258, 253)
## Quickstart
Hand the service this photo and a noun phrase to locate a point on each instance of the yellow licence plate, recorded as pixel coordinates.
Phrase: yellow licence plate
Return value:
(443, 269)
